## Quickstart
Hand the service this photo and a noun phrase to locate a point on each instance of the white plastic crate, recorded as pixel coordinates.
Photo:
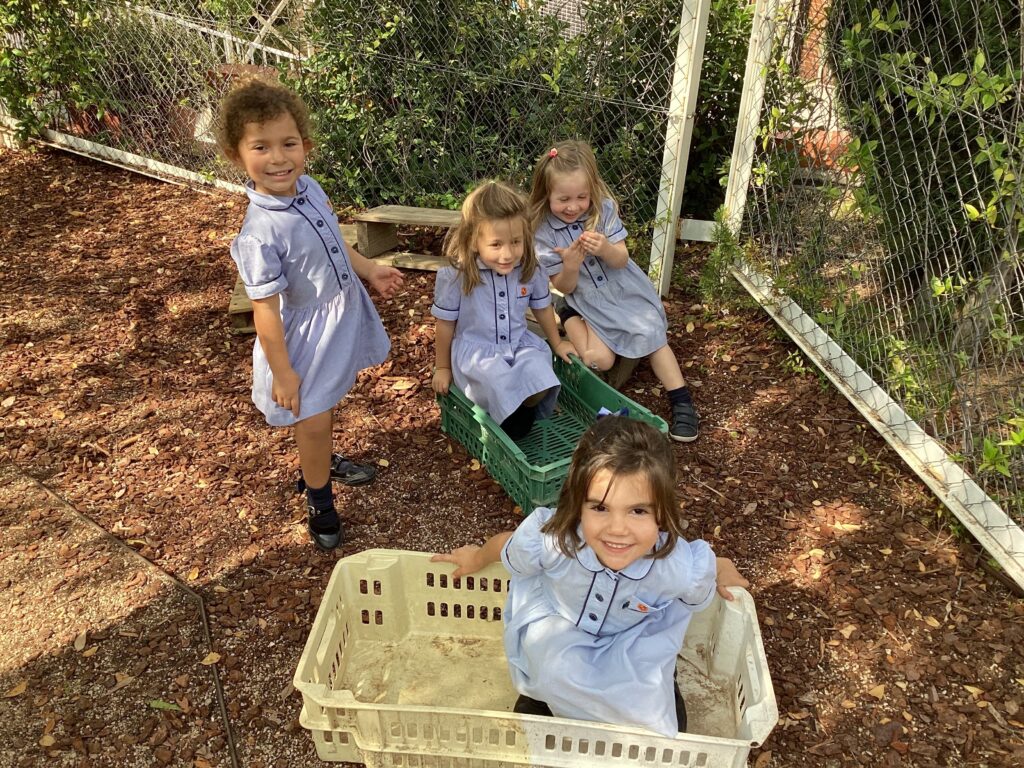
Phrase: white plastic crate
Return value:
(405, 666)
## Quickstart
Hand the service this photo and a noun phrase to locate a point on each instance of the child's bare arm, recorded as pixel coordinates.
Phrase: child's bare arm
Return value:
(443, 334)
(546, 319)
(383, 279)
(472, 558)
(728, 576)
(572, 258)
(266, 316)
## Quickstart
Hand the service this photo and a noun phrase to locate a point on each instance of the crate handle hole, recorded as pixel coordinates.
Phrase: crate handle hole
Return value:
(431, 609)
(378, 618)
(363, 587)
(365, 616)
(430, 579)
(376, 587)
(634, 752)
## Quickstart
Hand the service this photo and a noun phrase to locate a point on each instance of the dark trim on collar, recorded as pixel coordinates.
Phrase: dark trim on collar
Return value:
(557, 224)
(273, 202)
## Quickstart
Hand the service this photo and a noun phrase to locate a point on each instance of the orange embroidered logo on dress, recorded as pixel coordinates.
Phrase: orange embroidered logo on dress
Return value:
(522, 290)
(641, 607)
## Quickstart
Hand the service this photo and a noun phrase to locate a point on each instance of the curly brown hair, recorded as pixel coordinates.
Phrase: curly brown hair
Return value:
(623, 446)
(491, 201)
(255, 100)
(563, 158)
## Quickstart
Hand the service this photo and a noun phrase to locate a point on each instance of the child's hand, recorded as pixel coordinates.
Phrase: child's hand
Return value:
(573, 255)
(385, 280)
(564, 348)
(442, 380)
(728, 576)
(593, 243)
(285, 391)
(467, 558)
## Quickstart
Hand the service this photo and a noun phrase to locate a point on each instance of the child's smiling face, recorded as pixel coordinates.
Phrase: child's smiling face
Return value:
(618, 519)
(500, 243)
(569, 196)
(273, 155)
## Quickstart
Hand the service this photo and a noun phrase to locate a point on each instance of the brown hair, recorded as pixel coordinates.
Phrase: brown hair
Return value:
(563, 158)
(491, 201)
(253, 100)
(623, 446)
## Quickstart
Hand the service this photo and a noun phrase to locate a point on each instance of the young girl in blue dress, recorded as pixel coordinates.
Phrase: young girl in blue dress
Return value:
(482, 342)
(316, 327)
(603, 588)
(610, 307)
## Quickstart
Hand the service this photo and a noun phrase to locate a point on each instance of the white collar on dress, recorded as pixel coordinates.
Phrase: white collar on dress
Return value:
(635, 571)
(273, 202)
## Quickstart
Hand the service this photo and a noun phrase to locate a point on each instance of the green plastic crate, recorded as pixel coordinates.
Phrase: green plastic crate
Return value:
(532, 471)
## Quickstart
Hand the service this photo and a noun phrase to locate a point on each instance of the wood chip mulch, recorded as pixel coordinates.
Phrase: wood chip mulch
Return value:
(125, 393)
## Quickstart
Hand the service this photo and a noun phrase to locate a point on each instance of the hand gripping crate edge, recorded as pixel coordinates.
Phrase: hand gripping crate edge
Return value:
(404, 608)
(532, 471)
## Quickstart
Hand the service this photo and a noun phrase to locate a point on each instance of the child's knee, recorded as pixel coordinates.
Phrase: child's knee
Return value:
(600, 360)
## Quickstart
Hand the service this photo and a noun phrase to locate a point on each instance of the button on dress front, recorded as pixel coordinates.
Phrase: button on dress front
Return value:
(597, 644)
(497, 362)
(620, 305)
(292, 246)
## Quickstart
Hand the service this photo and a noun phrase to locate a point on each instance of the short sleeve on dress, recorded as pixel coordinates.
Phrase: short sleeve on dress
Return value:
(529, 551)
(259, 265)
(695, 573)
(544, 244)
(447, 294)
(540, 291)
(611, 224)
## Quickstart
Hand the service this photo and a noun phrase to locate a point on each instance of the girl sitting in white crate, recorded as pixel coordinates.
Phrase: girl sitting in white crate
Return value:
(603, 588)
(480, 302)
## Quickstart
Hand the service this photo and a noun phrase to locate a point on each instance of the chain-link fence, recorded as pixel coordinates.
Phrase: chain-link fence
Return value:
(886, 201)
(413, 100)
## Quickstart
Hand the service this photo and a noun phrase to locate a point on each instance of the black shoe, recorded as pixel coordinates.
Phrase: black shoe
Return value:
(324, 528)
(684, 423)
(345, 472)
(350, 473)
(526, 706)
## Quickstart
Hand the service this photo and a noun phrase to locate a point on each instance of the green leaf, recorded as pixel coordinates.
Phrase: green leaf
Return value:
(169, 706)
(972, 213)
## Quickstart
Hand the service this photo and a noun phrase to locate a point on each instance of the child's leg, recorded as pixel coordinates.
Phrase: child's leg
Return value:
(314, 438)
(535, 400)
(593, 352)
(680, 706)
(526, 706)
(684, 416)
(518, 425)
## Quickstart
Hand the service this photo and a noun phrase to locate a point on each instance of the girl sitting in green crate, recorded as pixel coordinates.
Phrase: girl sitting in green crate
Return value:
(480, 301)
(603, 588)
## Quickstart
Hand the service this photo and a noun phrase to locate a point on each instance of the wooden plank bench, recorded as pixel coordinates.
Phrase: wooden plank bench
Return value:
(377, 228)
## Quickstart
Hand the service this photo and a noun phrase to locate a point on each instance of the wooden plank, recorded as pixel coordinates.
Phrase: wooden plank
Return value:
(426, 262)
(240, 309)
(414, 217)
(373, 239)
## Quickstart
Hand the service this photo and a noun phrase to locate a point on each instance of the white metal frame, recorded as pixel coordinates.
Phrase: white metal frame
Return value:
(693, 30)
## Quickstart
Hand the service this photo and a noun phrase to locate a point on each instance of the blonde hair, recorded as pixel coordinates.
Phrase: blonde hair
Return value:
(563, 158)
(623, 446)
(255, 100)
(491, 201)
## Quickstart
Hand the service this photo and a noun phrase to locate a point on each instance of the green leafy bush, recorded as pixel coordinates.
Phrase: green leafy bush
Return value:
(44, 68)
(415, 101)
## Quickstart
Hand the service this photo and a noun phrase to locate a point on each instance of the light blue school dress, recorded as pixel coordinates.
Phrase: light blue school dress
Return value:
(597, 644)
(292, 246)
(497, 362)
(620, 305)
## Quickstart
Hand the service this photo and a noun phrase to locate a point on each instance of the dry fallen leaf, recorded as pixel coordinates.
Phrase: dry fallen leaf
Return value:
(47, 741)
(121, 680)
(931, 621)
(765, 758)
(474, 465)
(973, 690)
(211, 658)
(689, 329)
(17, 690)
(80, 642)
(878, 692)
(193, 574)
(90, 651)
(7, 402)
(383, 462)
(848, 630)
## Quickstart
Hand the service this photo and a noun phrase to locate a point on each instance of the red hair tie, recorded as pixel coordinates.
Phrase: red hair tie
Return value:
(553, 152)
